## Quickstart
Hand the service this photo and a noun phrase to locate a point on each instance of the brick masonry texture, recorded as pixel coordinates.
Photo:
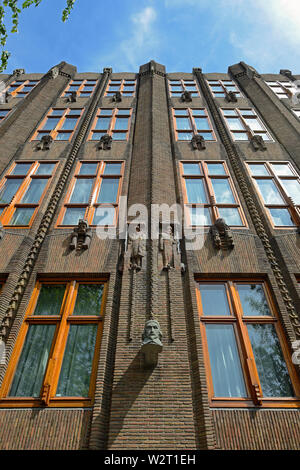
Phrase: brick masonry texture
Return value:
(166, 407)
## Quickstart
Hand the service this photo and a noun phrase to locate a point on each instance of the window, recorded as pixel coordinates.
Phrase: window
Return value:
(83, 88)
(59, 123)
(281, 89)
(93, 194)
(297, 112)
(22, 190)
(55, 357)
(125, 86)
(245, 353)
(21, 88)
(115, 122)
(188, 122)
(244, 123)
(3, 114)
(219, 88)
(177, 87)
(209, 194)
(279, 187)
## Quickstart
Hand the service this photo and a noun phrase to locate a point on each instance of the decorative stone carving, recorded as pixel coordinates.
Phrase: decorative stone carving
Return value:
(105, 142)
(221, 235)
(137, 247)
(258, 142)
(151, 344)
(7, 97)
(167, 244)
(54, 72)
(44, 143)
(18, 72)
(117, 97)
(288, 74)
(198, 142)
(186, 96)
(72, 98)
(81, 236)
(230, 96)
(1, 231)
(107, 70)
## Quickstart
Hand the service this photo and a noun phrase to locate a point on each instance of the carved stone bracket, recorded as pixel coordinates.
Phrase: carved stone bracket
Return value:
(105, 142)
(151, 345)
(19, 72)
(186, 97)
(117, 97)
(198, 142)
(72, 98)
(221, 235)
(230, 96)
(81, 236)
(44, 143)
(258, 142)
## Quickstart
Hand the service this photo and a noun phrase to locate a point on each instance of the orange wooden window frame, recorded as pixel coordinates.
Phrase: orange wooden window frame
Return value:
(223, 86)
(250, 373)
(111, 129)
(9, 208)
(293, 209)
(123, 83)
(247, 130)
(18, 90)
(183, 86)
(80, 92)
(212, 205)
(92, 204)
(56, 354)
(54, 132)
(193, 129)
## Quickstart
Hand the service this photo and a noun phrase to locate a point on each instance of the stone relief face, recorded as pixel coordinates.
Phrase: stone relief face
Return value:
(152, 331)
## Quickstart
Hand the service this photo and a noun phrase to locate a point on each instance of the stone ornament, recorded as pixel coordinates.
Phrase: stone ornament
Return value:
(105, 142)
(1, 231)
(72, 98)
(151, 342)
(221, 235)
(186, 97)
(258, 142)
(230, 96)
(198, 142)
(81, 236)
(44, 143)
(19, 72)
(54, 72)
(167, 243)
(137, 248)
(117, 97)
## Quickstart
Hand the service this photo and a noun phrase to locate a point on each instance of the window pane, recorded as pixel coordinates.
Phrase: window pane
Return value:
(225, 363)
(50, 124)
(112, 169)
(35, 191)
(222, 190)
(74, 380)
(57, 112)
(281, 217)
(200, 216)
(88, 300)
(9, 190)
(191, 169)
(240, 136)
(22, 216)
(231, 215)
(235, 124)
(202, 124)
(271, 366)
(254, 124)
(215, 168)
(109, 190)
(88, 168)
(119, 135)
(72, 215)
(258, 169)
(181, 112)
(63, 136)
(69, 123)
(121, 124)
(33, 361)
(253, 300)
(185, 135)
(183, 123)
(292, 188)
(195, 190)
(269, 192)
(50, 299)
(21, 169)
(104, 216)
(45, 169)
(82, 190)
(214, 299)
(102, 123)
(282, 169)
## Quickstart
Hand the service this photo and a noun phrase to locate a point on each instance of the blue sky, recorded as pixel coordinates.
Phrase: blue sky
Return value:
(181, 34)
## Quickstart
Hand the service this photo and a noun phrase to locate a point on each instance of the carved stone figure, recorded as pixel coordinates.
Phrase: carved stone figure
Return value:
(221, 234)
(81, 236)
(166, 245)
(230, 96)
(186, 96)
(1, 231)
(72, 98)
(45, 142)
(105, 142)
(117, 98)
(151, 344)
(18, 72)
(258, 142)
(137, 247)
(54, 72)
(198, 142)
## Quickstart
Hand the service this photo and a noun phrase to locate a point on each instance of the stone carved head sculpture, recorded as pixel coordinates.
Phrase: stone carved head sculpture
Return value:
(152, 333)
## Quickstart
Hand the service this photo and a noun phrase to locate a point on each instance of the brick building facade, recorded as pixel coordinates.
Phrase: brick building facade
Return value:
(222, 146)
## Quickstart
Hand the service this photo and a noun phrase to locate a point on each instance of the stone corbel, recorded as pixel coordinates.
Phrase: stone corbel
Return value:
(105, 142)
(151, 343)
(258, 142)
(44, 143)
(198, 142)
